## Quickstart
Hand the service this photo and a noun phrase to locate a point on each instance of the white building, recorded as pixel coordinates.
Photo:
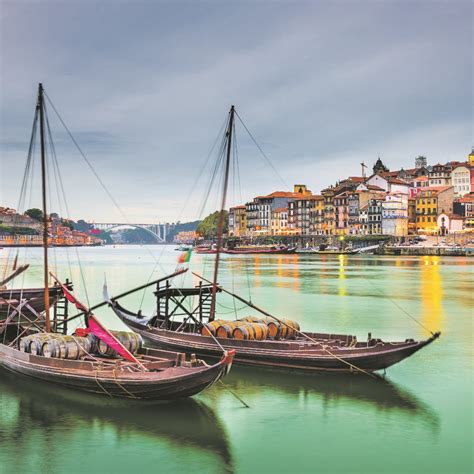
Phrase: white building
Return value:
(461, 180)
(395, 215)
(388, 184)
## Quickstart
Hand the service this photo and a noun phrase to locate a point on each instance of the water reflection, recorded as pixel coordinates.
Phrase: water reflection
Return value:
(55, 411)
(383, 395)
(432, 293)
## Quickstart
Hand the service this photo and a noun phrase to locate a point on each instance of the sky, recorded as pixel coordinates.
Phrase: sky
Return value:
(144, 86)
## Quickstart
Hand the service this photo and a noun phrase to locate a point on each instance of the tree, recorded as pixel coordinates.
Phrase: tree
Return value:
(208, 227)
(34, 213)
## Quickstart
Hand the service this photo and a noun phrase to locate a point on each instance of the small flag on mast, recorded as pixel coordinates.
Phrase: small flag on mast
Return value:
(185, 256)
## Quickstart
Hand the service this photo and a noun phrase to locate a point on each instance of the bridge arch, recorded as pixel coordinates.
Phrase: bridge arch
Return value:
(157, 237)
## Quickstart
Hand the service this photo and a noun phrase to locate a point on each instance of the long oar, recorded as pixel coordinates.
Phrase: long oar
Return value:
(129, 292)
(260, 310)
(14, 274)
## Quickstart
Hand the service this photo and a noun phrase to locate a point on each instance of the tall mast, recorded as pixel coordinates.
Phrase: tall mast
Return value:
(40, 108)
(220, 222)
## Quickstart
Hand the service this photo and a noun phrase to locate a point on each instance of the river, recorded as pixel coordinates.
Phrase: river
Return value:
(419, 420)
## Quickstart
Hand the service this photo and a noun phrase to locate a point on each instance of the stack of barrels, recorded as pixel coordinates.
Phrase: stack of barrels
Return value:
(252, 327)
(56, 345)
(62, 346)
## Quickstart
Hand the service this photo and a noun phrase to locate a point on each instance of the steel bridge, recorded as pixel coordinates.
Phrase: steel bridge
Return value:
(159, 231)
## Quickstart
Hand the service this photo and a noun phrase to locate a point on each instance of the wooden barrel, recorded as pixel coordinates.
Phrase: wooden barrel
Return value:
(24, 344)
(226, 329)
(130, 340)
(260, 331)
(76, 347)
(210, 328)
(287, 329)
(50, 348)
(244, 331)
(35, 346)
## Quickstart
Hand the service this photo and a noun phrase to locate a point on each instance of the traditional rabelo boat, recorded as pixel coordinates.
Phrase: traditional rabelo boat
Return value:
(94, 359)
(265, 341)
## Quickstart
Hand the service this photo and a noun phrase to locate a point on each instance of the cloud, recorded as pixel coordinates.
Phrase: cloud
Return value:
(145, 87)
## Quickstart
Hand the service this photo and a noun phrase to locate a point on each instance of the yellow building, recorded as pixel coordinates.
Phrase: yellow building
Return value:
(279, 224)
(430, 202)
(471, 158)
(238, 221)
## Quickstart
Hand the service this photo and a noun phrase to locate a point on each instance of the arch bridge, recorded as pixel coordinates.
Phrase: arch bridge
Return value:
(159, 231)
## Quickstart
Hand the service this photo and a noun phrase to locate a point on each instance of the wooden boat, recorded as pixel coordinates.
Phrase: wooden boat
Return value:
(11, 299)
(167, 375)
(322, 352)
(306, 351)
(120, 371)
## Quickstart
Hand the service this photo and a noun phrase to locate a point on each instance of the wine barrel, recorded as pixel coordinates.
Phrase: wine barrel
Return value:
(260, 331)
(24, 344)
(130, 340)
(210, 328)
(76, 347)
(226, 329)
(243, 332)
(50, 348)
(287, 329)
(35, 347)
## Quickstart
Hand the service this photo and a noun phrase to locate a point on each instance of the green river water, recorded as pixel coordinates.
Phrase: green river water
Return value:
(419, 420)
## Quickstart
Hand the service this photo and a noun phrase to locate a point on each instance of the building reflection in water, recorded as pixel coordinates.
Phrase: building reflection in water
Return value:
(431, 288)
(342, 275)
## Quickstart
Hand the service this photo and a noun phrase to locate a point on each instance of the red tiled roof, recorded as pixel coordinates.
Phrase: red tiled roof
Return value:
(468, 198)
(279, 194)
(397, 181)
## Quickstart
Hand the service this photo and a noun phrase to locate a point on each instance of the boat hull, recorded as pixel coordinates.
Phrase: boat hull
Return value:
(168, 384)
(301, 355)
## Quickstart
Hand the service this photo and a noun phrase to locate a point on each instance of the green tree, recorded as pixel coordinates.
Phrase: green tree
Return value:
(35, 213)
(208, 227)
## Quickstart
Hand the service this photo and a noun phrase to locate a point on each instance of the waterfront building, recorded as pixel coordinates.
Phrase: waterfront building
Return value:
(374, 216)
(329, 220)
(186, 237)
(461, 179)
(440, 175)
(259, 211)
(299, 209)
(353, 205)
(411, 215)
(464, 207)
(279, 224)
(395, 215)
(237, 221)
(364, 219)
(341, 213)
(431, 202)
(316, 216)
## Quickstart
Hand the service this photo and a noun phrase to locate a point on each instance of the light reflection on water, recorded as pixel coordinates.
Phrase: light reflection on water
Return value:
(423, 416)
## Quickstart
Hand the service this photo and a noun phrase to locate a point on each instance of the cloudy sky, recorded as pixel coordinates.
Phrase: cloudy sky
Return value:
(145, 86)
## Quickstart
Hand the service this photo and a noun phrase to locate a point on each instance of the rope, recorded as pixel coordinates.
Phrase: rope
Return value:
(122, 387)
(400, 307)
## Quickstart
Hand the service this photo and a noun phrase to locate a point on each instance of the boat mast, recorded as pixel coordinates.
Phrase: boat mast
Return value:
(220, 223)
(40, 108)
